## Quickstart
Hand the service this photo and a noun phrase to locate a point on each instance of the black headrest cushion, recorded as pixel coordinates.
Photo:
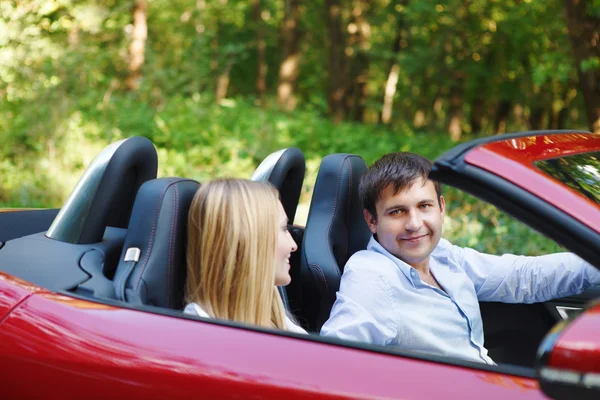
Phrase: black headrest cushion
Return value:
(285, 170)
(336, 228)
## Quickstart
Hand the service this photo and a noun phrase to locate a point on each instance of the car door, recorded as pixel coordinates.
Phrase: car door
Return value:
(67, 347)
(503, 172)
(16, 223)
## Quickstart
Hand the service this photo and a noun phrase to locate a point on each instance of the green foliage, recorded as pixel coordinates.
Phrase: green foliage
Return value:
(592, 63)
(472, 223)
(593, 8)
(196, 138)
(63, 97)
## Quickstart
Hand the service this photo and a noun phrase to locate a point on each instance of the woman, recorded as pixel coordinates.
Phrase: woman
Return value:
(238, 253)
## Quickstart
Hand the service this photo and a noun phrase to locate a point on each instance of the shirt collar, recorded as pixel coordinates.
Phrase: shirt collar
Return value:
(439, 254)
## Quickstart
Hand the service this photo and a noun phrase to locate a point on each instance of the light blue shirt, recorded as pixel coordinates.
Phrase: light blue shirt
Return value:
(383, 301)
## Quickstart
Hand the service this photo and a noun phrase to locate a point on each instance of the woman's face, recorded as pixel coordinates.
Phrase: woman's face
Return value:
(285, 247)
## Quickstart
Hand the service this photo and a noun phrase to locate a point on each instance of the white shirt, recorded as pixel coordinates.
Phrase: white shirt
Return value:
(383, 301)
(195, 309)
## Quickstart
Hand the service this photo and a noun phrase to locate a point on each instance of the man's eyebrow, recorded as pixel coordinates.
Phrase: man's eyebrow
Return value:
(396, 206)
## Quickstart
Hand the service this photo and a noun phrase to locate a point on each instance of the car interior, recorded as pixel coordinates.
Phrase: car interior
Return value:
(121, 236)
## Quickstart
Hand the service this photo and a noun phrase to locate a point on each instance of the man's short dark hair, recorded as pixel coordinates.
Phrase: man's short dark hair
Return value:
(401, 169)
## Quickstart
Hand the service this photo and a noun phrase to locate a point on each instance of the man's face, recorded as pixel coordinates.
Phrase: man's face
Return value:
(409, 223)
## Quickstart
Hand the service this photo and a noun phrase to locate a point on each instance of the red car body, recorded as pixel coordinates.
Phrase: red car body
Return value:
(514, 161)
(66, 346)
(51, 344)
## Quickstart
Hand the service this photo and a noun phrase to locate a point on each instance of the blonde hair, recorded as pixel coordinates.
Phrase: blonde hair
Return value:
(232, 240)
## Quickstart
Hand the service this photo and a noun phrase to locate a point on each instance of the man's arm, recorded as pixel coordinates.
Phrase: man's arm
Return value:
(363, 310)
(521, 279)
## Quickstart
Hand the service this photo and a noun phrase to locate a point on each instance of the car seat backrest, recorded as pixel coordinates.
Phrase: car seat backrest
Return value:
(285, 170)
(105, 193)
(80, 248)
(152, 267)
(335, 230)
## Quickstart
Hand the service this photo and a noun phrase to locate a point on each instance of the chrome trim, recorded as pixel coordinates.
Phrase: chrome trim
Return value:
(563, 311)
(560, 375)
(263, 171)
(132, 254)
(591, 380)
(68, 224)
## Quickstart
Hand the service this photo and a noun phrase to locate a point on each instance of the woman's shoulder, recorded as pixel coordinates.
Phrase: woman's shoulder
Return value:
(292, 327)
(195, 309)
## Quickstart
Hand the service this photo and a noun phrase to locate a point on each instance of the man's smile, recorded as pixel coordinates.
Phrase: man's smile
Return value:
(413, 239)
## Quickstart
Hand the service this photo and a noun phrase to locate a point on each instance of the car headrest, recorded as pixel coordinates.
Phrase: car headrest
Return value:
(152, 267)
(105, 193)
(335, 230)
(285, 170)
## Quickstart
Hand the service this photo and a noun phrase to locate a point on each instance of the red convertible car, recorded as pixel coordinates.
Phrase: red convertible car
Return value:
(91, 294)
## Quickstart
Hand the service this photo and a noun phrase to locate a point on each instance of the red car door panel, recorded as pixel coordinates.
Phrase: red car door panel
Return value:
(71, 348)
(12, 292)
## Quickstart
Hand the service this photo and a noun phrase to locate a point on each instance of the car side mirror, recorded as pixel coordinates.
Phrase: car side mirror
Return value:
(568, 359)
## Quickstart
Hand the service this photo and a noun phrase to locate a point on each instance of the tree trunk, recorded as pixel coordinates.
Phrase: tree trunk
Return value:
(389, 90)
(389, 93)
(261, 77)
(137, 45)
(337, 61)
(502, 113)
(536, 118)
(455, 111)
(561, 120)
(479, 105)
(552, 117)
(218, 74)
(288, 71)
(584, 32)
(519, 115)
(214, 52)
(360, 31)
(419, 118)
(223, 82)
(476, 117)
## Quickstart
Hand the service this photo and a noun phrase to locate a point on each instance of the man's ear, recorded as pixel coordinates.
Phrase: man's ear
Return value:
(371, 221)
(442, 206)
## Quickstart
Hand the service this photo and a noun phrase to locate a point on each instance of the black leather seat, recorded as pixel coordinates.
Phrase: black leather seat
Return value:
(335, 230)
(79, 251)
(285, 170)
(152, 267)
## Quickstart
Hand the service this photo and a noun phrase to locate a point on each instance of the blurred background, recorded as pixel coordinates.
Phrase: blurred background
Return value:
(219, 84)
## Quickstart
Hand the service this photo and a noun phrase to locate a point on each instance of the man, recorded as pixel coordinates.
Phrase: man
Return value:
(416, 291)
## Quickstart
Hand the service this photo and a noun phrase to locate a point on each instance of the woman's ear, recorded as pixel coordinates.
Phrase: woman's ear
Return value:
(371, 221)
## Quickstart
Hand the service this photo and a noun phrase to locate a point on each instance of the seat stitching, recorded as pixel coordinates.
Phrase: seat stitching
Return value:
(348, 208)
(320, 270)
(335, 203)
(151, 242)
(171, 247)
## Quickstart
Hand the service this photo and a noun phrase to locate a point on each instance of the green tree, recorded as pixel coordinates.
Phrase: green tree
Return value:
(583, 21)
